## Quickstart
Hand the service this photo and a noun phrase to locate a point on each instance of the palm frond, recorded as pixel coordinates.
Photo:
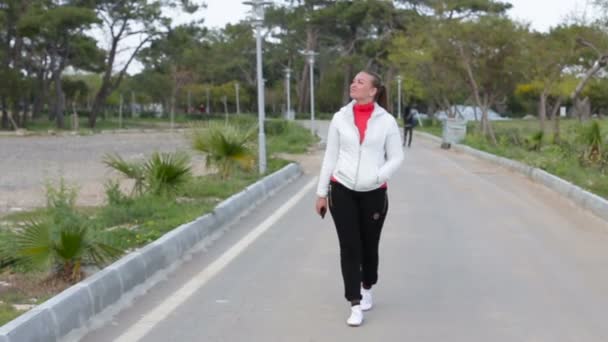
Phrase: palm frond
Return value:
(166, 171)
(34, 244)
(71, 243)
(131, 170)
(226, 147)
(101, 253)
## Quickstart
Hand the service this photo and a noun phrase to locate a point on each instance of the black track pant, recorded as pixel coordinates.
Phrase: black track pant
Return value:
(358, 217)
(406, 130)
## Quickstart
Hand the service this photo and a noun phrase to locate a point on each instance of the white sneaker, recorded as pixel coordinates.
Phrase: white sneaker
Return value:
(366, 299)
(356, 316)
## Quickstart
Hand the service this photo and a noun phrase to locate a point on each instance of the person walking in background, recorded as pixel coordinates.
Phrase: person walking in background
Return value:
(363, 151)
(409, 121)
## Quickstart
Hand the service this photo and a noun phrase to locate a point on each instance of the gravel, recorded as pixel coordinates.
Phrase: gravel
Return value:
(28, 163)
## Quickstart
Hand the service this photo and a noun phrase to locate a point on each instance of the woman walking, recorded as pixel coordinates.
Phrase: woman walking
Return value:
(363, 151)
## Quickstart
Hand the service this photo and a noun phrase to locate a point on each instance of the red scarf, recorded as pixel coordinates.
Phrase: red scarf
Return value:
(362, 114)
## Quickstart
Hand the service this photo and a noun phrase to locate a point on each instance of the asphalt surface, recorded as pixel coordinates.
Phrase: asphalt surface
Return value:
(469, 252)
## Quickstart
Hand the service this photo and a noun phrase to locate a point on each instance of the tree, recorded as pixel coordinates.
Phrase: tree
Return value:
(489, 54)
(11, 12)
(176, 54)
(544, 57)
(427, 61)
(122, 20)
(60, 28)
(600, 48)
(457, 10)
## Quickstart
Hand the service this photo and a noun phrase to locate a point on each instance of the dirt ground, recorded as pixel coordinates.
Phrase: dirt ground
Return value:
(28, 163)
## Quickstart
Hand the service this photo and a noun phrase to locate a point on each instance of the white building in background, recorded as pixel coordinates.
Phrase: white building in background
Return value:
(468, 113)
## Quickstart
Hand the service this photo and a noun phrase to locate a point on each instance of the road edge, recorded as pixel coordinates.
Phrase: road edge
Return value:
(581, 197)
(76, 306)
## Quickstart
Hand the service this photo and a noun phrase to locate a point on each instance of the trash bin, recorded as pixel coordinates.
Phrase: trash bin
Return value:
(454, 131)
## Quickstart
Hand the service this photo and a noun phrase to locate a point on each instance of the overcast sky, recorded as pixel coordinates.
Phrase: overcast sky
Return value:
(541, 14)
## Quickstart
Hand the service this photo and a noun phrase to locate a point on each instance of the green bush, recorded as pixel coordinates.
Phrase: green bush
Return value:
(275, 127)
(293, 139)
(244, 121)
(61, 242)
(226, 147)
(162, 173)
(114, 195)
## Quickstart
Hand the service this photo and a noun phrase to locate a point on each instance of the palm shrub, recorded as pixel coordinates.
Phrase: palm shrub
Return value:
(535, 142)
(62, 241)
(165, 172)
(131, 170)
(114, 195)
(276, 127)
(162, 173)
(590, 137)
(63, 249)
(226, 147)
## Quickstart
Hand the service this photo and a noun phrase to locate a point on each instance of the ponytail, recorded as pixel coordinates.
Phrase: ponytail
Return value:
(380, 96)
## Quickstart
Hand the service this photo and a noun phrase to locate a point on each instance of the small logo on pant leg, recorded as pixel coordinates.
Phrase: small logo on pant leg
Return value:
(376, 216)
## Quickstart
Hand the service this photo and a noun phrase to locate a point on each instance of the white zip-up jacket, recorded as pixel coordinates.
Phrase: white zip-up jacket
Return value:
(360, 166)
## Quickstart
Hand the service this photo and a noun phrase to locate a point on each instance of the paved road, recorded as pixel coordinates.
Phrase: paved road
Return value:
(470, 252)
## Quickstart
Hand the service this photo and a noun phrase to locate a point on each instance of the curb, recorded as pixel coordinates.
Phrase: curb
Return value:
(74, 307)
(583, 198)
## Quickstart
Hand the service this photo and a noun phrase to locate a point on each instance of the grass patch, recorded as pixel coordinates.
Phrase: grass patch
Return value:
(519, 140)
(430, 126)
(25, 289)
(112, 122)
(292, 138)
(8, 313)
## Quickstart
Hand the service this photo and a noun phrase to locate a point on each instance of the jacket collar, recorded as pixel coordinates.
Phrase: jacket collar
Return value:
(348, 109)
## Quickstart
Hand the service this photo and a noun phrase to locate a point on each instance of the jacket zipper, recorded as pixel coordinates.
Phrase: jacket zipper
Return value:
(358, 163)
(359, 149)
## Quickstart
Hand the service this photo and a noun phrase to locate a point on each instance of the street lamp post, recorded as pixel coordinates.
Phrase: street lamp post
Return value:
(258, 19)
(310, 56)
(399, 79)
(288, 92)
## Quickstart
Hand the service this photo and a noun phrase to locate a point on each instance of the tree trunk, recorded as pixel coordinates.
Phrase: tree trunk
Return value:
(490, 128)
(303, 86)
(542, 110)
(348, 75)
(600, 63)
(40, 95)
(98, 104)
(388, 86)
(303, 90)
(107, 84)
(59, 100)
(4, 113)
(582, 108)
(555, 115)
(485, 123)
(24, 110)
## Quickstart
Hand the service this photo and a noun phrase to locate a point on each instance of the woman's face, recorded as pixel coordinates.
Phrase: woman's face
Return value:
(362, 88)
